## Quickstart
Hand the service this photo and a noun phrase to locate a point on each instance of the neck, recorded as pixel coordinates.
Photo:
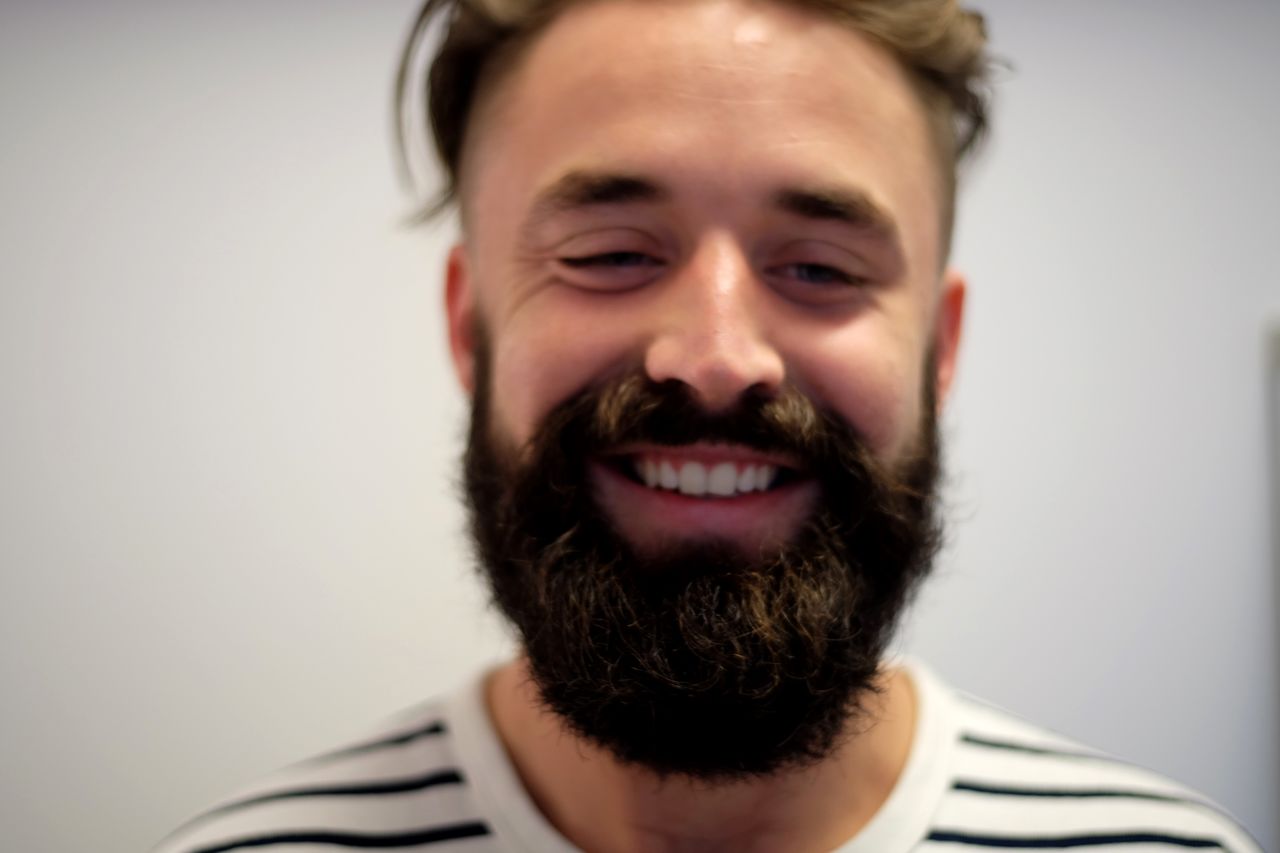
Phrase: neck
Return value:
(604, 806)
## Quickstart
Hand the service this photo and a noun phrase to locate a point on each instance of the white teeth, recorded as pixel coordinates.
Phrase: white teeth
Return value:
(723, 479)
(693, 479)
(765, 476)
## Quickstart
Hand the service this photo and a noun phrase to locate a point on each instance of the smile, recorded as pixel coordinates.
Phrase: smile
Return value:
(659, 493)
(701, 479)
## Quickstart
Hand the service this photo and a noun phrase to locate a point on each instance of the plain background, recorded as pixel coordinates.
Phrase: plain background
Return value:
(228, 527)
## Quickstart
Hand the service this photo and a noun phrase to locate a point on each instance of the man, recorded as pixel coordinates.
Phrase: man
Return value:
(703, 309)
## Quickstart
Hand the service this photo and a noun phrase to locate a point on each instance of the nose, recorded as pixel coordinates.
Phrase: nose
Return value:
(712, 333)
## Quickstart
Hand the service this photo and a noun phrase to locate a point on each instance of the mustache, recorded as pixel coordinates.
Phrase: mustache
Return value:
(633, 409)
(636, 410)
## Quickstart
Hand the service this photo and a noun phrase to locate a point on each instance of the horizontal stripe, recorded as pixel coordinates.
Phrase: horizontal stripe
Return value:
(1071, 841)
(1000, 790)
(352, 840)
(991, 743)
(1192, 804)
(390, 786)
(429, 730)
(361, 789)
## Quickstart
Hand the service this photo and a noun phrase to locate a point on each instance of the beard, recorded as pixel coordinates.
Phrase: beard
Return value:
(700, 660)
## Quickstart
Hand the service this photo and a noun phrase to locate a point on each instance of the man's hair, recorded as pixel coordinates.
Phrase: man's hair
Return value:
(941, 46)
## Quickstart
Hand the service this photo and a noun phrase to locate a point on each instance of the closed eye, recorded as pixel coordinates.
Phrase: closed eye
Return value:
(611, 259)
(610, 272)
(817, 274)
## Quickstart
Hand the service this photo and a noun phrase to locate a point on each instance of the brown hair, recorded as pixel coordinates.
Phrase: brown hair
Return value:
(941, 45)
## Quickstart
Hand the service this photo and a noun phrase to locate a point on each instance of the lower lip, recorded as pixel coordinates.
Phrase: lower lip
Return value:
(653, 517)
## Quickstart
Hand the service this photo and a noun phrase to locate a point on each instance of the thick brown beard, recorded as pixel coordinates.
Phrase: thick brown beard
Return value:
(700, 661)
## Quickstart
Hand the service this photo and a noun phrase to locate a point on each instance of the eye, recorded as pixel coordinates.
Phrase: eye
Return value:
(606, 271)
(618, 260)
(818, 274)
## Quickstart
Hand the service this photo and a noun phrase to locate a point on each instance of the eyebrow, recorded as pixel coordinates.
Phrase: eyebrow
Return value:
(578, 190)
(847, 207)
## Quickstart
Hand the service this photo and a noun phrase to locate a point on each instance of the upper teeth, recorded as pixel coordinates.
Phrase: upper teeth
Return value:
(694, 478)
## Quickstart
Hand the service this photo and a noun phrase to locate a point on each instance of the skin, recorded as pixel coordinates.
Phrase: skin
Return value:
(719, 106)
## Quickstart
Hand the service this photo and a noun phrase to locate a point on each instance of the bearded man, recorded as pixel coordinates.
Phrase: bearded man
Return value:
(703, 309)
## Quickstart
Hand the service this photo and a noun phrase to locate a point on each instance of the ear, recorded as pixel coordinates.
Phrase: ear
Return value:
(459, 306)
(946, 332)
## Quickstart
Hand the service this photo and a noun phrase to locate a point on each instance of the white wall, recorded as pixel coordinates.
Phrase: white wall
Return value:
(228, 533)
(1112, 572)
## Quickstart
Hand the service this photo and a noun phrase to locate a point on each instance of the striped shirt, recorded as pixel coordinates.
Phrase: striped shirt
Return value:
(437, 780)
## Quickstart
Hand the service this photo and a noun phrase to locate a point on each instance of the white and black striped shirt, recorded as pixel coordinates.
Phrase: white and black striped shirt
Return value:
(437, 780)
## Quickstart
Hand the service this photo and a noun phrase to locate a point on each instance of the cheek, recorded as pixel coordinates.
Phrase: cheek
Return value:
(540, 363)
(530, 375)
(872, 378)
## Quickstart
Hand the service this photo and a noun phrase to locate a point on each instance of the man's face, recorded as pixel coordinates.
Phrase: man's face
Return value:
(689, 226)
(730, 195)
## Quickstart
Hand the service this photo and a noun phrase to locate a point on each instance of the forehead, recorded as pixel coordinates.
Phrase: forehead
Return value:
(721, 100)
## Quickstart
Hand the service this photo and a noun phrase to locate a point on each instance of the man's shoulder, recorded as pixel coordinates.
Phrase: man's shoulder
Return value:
(1017, 784)
(979, 777)
(400, 785)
